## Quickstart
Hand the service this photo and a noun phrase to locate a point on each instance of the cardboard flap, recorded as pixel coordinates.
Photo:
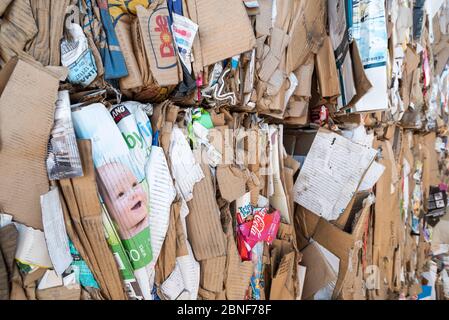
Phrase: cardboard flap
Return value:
(59, 293)
(282, 287)
(361, 81)
(232, 182)
(224, 29)
(411, 60)
(307, 33)
(90, 211)
(85, 187)
(6, 72)
(327, 70)
(319, 271)
(263, 20)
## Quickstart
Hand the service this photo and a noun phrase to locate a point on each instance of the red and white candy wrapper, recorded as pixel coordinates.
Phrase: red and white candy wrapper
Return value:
(263, 227)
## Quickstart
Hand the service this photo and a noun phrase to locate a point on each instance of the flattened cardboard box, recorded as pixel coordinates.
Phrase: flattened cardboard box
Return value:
(431, 174)
(27, 102)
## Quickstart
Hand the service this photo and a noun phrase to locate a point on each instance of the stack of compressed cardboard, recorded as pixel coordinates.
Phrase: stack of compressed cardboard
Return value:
(207, 149)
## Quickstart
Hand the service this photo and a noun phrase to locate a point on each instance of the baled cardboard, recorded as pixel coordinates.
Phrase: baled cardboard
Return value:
(279, 42)
(4, 283)
(298, 142)
(203, 294)
(45, 47)
(238, 272)
(72, 231)
(26, 119)
(347, 250)
(238, 275)
(3, 5)
(431, 172)
(174, 245)
(30, 282)
(8, 266)
(190, 11)
(124, 36)
(291, 166)
(411, 60)
(224, 29)
(304, 75)
(263, 20)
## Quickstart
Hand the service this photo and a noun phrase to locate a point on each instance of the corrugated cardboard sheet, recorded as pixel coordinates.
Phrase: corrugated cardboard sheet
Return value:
(224, 29)
(26, 118)
(204, 228)
(212, 274)
(386, 224)
(17, 27)
(238, 273)
(174, 245)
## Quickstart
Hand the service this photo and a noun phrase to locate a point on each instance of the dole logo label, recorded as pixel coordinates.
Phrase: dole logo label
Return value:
(161, 39)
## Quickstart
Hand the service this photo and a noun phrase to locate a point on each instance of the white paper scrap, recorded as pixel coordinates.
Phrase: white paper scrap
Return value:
(50, 280)
(375, 171)
(55, 232)
(5, 219)
(161, 193)
(31, 247)
(331, 174)
(186, 171)
(184, 32)
(185, 278)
